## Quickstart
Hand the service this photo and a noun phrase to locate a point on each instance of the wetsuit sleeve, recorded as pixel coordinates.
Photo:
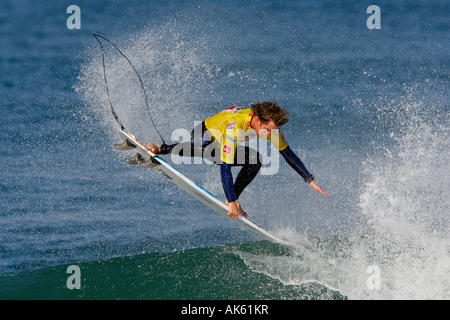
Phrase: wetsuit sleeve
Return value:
(227, 181)
(296, 164)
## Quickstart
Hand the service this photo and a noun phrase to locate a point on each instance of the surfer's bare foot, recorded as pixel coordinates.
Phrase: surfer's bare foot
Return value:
(153, 148)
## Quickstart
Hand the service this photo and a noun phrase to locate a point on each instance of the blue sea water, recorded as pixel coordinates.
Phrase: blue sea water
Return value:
(369, 117)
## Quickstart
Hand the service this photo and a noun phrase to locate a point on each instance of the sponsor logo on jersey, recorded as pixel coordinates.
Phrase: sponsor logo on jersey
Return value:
(227, 149)
(231, 125)
(230, 138)
(233, 109)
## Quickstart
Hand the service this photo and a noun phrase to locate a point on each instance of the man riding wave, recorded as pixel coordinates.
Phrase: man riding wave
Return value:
(219, 141)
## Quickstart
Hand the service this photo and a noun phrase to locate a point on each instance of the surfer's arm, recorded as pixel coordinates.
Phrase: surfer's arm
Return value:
(234, 208)
(281, 144)
(296, 164)
(227, 182)
(300, 168)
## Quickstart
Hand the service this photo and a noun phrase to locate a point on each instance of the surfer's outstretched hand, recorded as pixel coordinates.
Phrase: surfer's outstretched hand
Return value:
(235, 209)
(313, 184)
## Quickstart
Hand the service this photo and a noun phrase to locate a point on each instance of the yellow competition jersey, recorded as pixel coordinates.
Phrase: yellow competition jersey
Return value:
(232, 126)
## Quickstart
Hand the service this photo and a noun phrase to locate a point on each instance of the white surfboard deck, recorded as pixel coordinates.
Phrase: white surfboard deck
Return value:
(191, 187)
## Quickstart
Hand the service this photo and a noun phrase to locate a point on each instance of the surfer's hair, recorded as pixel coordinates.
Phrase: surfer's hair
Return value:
(267, 111)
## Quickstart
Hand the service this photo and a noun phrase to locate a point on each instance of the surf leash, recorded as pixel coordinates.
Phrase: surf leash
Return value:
(116, 117)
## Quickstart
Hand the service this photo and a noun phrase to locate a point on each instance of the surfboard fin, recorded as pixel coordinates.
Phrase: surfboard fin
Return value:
(126, 145)
(135, 160)
(150, 163)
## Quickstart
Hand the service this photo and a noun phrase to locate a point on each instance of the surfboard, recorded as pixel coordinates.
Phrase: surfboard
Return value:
(148, 159)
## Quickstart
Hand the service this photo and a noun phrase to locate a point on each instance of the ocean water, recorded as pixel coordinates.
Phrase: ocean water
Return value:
(369, 117)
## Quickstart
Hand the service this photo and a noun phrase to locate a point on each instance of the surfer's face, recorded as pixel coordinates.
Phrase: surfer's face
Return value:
(263, 129)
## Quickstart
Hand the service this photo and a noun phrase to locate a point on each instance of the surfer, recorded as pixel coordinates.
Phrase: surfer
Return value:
(217, 139)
